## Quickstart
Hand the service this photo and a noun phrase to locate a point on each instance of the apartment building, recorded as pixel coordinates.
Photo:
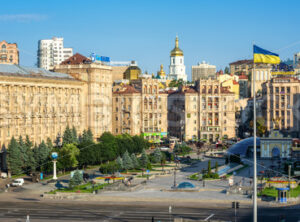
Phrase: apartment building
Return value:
(281, 98)
(9, 53)
(140, 108)
(205, 111)
(51, 52)
(203, 71)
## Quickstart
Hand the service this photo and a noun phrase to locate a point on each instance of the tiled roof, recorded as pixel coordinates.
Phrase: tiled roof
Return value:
(243, 77)
(127, 89)
(226, 90)
(239, 62)
(76, 60)
(16, 70)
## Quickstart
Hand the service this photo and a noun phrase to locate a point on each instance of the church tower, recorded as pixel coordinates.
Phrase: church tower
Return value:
(177, 67)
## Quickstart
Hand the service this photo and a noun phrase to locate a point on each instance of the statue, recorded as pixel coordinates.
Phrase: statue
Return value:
(276, 122)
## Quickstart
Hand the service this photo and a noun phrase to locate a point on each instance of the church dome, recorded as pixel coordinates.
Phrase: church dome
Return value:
(176, 51)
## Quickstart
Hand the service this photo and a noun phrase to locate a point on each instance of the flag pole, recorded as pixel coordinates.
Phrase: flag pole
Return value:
(254, 148)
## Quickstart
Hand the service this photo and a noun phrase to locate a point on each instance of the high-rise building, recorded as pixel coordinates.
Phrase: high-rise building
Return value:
(203, 71)
(51, 52)
(9, 53)
(281, 104)
(177, 67)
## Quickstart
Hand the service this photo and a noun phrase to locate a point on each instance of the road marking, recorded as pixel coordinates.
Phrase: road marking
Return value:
(210, 216)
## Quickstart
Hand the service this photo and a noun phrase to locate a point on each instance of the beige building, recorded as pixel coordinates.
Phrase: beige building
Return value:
(39, 103)
(140, 108)
(203, 71)
(262, 74)
(97, 79)
(281, 103)
(206, 111)
(241, 67)
(9, 53)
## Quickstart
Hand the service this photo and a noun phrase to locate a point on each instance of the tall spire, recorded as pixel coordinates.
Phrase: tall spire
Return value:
(176, 42)
(176, 51)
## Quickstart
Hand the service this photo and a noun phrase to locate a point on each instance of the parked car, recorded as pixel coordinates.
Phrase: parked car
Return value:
(18, 182)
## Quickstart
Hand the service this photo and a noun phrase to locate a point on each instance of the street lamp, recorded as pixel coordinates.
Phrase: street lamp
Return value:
(54, 156)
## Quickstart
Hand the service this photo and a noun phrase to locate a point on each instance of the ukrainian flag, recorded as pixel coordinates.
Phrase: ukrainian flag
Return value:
(264, 56)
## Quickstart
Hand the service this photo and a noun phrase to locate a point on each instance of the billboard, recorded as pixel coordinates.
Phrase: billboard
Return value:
(95, 58)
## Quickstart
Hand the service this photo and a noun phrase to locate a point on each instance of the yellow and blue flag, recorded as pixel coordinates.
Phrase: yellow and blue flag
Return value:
(264, 56)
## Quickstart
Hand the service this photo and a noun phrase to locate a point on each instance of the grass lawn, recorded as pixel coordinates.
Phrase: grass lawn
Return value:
(17, 176)
(84, 188)
(272, 192)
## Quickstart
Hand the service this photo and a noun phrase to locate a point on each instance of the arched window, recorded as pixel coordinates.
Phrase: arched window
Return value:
(3, 46)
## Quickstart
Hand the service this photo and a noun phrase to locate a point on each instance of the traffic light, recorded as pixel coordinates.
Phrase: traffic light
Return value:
(233, 205)
(237, 205)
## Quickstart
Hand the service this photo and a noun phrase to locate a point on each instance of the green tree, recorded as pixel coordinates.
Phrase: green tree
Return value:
(216, 167)
(157, 155)
(76, 180)
(226, 70)
(68, 136)
(74, 135)
(119, 163)
(41, 154)
(127, 162)
(49, 144)
(30, 162)
(87, 137)
(14, 156)
(135, 162)
(67, 157)
(144, 159)
(209, 168)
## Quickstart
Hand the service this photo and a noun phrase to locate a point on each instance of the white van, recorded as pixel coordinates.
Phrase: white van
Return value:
(18, 182)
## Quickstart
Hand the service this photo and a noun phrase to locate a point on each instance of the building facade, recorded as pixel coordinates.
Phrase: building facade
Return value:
(203, 71)
(206, 111)
(241, 67)
(98, 91)
(262, 74)
(9, 53)
(275, 145)
(51, 52)
(132, 72)
(39, 103)
(177, 67)
(297, 60)
(140, 108)
(281, 103)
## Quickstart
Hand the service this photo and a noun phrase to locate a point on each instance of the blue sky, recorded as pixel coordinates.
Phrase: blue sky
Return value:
(216, 31)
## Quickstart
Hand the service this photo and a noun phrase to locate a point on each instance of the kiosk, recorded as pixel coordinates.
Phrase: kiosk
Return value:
(282, 194)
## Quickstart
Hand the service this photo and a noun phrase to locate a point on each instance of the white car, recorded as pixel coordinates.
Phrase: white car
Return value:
(17, 182)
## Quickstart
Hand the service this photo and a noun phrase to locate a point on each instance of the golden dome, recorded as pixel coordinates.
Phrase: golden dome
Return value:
(176, 51)
(161, 72)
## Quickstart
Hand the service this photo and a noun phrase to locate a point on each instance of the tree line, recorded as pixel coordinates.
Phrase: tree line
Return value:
(73, 152)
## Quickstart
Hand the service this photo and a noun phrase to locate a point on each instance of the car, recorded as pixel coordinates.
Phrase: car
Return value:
(18, 182)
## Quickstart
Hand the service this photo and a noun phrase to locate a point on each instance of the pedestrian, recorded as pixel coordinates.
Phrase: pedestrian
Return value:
(203, 183)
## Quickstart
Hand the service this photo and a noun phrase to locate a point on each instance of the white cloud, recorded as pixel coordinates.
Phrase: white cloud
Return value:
(23, 17)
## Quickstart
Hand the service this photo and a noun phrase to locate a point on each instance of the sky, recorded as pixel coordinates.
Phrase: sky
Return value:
(215, 31)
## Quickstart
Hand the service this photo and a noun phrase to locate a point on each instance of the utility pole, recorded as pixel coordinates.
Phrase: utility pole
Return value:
(289, 170)
(175, 178)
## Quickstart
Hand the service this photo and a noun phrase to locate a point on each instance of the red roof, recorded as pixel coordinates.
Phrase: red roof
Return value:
(76, 60)
(127, 89)
(239, 62)
(243, 77)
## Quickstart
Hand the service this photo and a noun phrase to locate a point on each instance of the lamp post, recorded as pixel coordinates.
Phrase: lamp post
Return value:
(54, 156)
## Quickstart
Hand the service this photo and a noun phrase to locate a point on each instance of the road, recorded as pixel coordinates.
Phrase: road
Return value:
(44, 212)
